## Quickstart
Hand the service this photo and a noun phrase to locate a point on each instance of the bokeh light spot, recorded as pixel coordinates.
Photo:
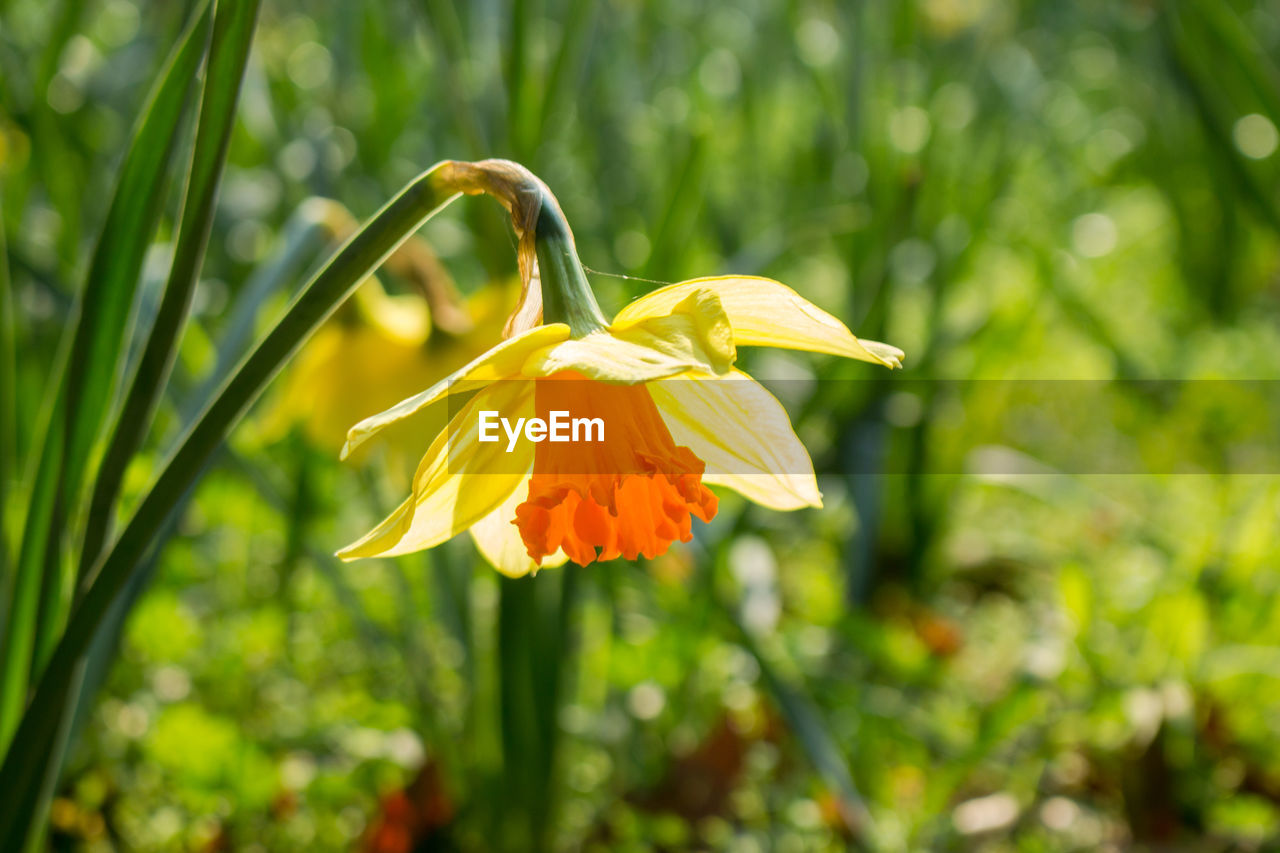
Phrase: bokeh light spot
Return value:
(1255, 136)
(909, 129)
(818, 41)
(1093, 235)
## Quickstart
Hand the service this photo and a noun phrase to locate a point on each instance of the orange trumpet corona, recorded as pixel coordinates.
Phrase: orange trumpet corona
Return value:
(629, 495)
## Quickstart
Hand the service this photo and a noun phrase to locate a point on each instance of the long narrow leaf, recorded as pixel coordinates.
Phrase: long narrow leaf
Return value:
(113, 274)
(233, 27)
(228, 52)
(578, 22)
(305, 235)
(806, 723)
(62, 166)
(117, 261)
(8, 409)
(24, 598)
(517, 80)
(1202, 76)
(25, 761)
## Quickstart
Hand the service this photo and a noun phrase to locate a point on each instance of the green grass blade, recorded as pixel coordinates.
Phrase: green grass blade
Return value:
(806, 723)
(25, 763)
(62, 174)
(1220, 83)
(518, 81)
(1240, 48)
(24, 597)
(578, 22)
(95, 348)
(117, 261)
(450, 39)
(305, 235)
(67, 20)
(56, 584)
(233, 28)
(8, 409)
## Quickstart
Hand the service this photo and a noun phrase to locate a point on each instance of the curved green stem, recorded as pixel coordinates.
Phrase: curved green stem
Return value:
(566, 294)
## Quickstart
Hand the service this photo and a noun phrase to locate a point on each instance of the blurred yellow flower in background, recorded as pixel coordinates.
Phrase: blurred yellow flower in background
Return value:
(379, 348)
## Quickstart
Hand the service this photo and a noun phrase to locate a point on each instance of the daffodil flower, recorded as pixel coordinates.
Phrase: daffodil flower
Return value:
(636, 491)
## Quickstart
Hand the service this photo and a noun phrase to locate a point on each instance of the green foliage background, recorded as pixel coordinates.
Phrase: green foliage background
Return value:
(934, 660)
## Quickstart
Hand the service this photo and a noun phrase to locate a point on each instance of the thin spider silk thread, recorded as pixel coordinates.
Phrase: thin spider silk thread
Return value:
(628, 277)
(511, 238)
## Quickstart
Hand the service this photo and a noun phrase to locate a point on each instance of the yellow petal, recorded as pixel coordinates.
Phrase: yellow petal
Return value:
(502, 362)
(499, 542)
(602, 356)
(743, 435)
(697, 329)
(459, 481)
(693, 335)
(766, 313)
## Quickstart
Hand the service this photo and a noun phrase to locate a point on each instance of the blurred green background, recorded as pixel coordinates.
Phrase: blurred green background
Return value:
(934, 660)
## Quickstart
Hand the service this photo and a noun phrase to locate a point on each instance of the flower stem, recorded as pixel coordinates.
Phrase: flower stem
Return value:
(536, 625)
(566, 294)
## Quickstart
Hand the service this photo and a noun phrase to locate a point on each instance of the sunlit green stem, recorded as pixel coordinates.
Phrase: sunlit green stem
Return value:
(566, 294)
(535, 621)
